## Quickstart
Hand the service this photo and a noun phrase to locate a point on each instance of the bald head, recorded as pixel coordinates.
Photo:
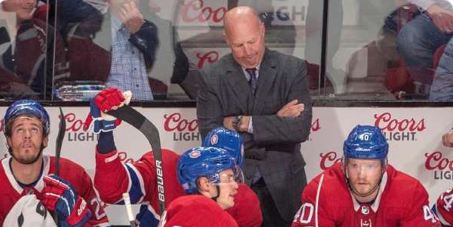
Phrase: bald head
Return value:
(244, 34)
(240, 14)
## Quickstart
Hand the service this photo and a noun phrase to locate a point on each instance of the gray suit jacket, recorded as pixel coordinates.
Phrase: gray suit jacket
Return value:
(274, 147)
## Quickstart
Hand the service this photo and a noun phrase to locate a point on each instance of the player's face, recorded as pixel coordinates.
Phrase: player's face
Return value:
(26, 139)
(246, 41)
(364, 175)
(228, 188)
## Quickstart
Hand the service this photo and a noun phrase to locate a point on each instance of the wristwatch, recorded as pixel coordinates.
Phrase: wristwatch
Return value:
(237, 123)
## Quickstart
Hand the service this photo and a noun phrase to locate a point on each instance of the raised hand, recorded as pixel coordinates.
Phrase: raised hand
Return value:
(106, 100)
(131, 17)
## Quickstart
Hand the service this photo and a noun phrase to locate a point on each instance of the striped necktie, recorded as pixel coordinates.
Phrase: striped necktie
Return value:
(253, 82)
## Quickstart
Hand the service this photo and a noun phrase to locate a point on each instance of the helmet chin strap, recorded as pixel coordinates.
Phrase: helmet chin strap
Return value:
(218, 194)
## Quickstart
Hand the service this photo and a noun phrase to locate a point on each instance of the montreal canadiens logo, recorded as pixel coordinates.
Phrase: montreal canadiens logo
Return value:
(214, 140)
(195, 154)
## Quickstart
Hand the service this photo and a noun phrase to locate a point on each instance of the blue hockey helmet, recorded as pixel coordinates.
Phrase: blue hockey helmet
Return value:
(26, 107)
(228, 140)
(204, 162)
(366, 142)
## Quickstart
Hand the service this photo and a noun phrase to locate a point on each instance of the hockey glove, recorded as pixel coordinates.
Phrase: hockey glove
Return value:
(59, 196)
(106, 100)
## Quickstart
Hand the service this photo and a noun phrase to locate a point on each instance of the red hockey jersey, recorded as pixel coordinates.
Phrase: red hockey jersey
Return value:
(444, 209)
(112, 178)
(11, 191)
(402, 201)
(197, 211)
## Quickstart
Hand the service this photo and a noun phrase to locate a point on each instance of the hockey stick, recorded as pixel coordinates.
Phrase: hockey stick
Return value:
(130, 216)
(59, 143)
(150, 131)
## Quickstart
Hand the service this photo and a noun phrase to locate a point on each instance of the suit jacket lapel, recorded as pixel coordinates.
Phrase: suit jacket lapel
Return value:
(236, 78)
(267, 75)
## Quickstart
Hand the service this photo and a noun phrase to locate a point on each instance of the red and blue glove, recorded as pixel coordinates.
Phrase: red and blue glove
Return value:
(106, 100)
(59, 196)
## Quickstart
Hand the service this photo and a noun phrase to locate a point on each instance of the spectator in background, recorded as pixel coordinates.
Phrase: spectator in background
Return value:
(22, 48)
(24, 45)
(134, 41)
(115, 45)
(442, 87)
(263, 95)
(418, 40)
(128, 47)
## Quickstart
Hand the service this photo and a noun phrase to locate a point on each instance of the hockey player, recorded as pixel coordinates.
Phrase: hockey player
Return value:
(209, 175)
(26, 176)
(228, 140)
(363, 190)
(246, 210)
(139, 178)
(443, 208)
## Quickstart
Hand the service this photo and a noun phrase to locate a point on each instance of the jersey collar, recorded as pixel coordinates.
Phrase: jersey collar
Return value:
(40, 183)
(377, 201)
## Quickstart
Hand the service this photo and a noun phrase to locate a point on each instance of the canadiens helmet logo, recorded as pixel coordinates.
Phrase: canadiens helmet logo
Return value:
(214, 140)
(365, 210)
(195, 154)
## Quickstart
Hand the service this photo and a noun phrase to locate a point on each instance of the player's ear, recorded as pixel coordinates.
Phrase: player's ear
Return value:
(203, 184)
(8, 141)
(383, 166)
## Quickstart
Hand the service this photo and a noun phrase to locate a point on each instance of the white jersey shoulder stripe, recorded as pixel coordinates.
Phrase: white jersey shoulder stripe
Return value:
(46, 171)
(10, 176)
(39, 186)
